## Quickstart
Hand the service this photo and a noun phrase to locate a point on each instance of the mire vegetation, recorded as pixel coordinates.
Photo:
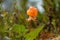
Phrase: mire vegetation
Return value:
(29, 23)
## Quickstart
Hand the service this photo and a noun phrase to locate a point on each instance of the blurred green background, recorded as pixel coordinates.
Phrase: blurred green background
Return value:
(14, 26)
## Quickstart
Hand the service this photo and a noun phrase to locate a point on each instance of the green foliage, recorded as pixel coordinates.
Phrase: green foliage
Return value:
(22, 32)
(32, 35)
(19, 29)
(42, 18)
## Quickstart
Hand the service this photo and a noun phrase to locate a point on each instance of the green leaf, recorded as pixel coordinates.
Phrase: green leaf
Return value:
(19, 29)
(32, 35)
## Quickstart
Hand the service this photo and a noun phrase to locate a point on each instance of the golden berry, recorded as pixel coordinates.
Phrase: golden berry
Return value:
(32, 11)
